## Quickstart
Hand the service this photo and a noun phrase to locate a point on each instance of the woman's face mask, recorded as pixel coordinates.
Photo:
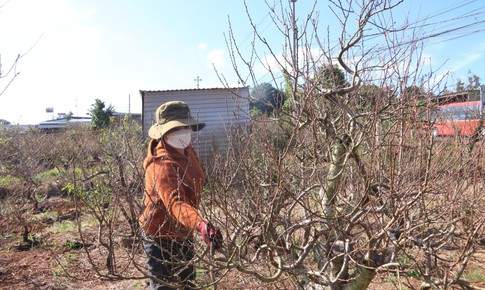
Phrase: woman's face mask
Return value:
(179, 139)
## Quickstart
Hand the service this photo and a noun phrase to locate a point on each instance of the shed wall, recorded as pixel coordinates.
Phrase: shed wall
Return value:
(220, 109)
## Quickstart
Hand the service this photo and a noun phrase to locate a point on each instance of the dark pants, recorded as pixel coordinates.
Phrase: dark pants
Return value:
(167, 261)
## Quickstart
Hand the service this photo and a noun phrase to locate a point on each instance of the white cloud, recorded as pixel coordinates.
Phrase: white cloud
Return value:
(465, 62)
(217, 58)
(202, 46)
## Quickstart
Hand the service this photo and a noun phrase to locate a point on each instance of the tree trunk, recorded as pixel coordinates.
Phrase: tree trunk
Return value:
(328, 194)
(363, 277)
(328, 199)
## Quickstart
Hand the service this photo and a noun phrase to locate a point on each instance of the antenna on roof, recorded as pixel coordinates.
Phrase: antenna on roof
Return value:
(198, 80)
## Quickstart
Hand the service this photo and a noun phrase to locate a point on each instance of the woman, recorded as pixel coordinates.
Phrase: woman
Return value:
(173, 183)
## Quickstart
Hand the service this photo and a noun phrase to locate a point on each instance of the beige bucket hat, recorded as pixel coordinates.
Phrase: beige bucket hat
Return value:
(171, 115)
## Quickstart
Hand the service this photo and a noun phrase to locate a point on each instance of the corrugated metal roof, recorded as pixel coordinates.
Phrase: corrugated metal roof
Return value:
(64, 122)
(200, 89)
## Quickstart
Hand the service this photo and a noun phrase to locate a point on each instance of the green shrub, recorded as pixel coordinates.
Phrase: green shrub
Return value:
(49, 175)
(64, 226)
(475, 275)
(9, 181)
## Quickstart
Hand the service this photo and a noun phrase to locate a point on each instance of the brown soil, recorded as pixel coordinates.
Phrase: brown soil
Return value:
(59, 259)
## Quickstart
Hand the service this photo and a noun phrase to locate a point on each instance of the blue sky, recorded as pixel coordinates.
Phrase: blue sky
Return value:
(82, 50)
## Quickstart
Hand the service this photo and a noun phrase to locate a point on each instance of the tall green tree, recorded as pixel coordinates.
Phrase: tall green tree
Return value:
(100, 114)
(266, 98)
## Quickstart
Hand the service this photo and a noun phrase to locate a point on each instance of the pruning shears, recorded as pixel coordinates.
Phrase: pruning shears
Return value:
(208, 227)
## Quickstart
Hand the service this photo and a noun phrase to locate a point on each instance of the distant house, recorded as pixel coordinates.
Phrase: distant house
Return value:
(222, 109)
(4, 124)
(477, 94)
(63, 122)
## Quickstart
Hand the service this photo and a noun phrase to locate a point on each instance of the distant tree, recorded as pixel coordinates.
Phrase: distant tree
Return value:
(266, 98)
(414, 92)
(329, 76)
(473, 82)
(460, 86)
(100, 114)
(369, 94)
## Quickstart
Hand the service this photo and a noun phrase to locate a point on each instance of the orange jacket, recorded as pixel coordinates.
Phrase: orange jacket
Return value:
(173, 183)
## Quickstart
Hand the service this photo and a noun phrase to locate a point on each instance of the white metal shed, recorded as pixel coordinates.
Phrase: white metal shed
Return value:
(220, 108)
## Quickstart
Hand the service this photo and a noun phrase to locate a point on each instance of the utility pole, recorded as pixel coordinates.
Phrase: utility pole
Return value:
(198, 80)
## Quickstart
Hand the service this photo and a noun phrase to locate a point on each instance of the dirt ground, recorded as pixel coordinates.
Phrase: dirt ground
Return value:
(57, 262)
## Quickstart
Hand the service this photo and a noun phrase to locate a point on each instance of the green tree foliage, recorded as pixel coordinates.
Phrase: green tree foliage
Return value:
(460, 86)
(329, 76)
(100, 114)
(473, 81)
(413, 92)
(266, 98)
(472, 84)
